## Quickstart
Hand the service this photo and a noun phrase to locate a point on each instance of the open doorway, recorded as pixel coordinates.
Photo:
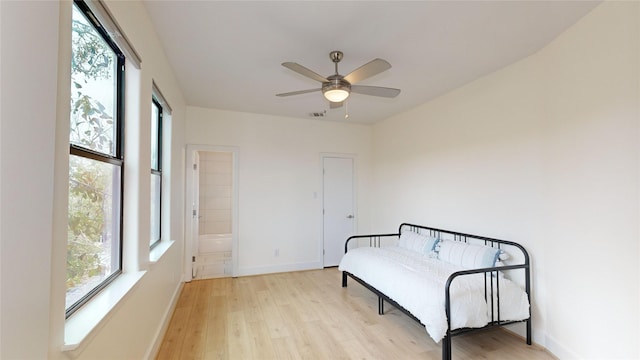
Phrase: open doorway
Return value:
(212, 188)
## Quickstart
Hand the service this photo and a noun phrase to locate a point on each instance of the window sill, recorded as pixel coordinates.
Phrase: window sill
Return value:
(159, 250)
(94, 313)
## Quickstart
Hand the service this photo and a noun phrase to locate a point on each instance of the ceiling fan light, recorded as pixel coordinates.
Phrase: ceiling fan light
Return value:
(336, 89)
(336, 95)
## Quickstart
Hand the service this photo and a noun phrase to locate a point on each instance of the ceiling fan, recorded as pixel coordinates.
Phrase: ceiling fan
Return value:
(337, 88)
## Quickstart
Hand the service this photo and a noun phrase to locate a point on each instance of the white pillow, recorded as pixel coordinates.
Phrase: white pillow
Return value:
(416, 242)
(467, 255)
(403, 242)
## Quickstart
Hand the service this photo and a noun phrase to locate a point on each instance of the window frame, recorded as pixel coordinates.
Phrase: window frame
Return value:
(157, 171)
(117, 159)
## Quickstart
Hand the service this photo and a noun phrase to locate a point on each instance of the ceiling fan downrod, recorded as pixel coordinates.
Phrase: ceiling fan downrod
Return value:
(336, 56)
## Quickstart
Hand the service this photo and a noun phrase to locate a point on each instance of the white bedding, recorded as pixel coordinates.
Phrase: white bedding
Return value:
(417, 282)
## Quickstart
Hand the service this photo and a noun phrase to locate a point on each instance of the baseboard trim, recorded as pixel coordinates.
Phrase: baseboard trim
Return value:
(559, 351)
(513, 333)
(263, 270)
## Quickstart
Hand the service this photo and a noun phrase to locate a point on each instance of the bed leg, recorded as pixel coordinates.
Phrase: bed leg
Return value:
(446, 348)
(529, 331)
(380, 305)
(344, 279)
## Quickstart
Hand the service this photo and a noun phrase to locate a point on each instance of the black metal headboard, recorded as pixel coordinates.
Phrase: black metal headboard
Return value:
(462, 237)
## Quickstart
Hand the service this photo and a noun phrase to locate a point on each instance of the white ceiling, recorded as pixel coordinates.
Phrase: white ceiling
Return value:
(228, 54)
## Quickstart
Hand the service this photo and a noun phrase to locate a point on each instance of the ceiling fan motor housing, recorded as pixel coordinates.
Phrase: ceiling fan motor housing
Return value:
(336, 82)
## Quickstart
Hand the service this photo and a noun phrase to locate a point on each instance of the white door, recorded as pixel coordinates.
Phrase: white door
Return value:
(195, 211)
(338, 209)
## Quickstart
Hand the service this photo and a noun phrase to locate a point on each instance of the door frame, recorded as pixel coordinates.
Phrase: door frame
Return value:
(189, 242)
(354, 199)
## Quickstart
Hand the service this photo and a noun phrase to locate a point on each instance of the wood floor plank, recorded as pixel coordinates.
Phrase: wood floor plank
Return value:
(328, 347)
(275, 322)
(194, 345)
(216, 337)
(239, 341)
(285, 349)
(176, 332)
(261, 341)
(308, 315)
(297, 333)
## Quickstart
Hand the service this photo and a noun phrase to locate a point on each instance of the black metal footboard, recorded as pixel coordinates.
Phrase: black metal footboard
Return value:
(374, 241)
(491, 275)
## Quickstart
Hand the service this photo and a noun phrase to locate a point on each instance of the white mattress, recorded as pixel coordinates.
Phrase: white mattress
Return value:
(417, 282)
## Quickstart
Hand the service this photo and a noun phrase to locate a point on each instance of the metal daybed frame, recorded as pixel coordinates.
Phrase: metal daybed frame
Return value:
(490, 287)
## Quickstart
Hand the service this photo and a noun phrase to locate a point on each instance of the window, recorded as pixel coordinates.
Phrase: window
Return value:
(94, 243)
(156, 172)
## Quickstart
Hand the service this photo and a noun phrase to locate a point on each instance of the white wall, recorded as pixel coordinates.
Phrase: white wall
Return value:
(591, 150)
(544, 152)
(279, 172)
(34, 153)
(26, 167)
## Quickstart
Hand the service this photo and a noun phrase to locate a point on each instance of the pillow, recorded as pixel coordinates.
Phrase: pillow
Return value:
(429, 244)
(467, 255)
(417, 242)
(403, 242)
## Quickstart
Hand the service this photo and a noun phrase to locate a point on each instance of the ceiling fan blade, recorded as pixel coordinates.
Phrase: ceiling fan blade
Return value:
(375, 91)
(299, 92)
(335, 105)
(367, 70)
(304, 71)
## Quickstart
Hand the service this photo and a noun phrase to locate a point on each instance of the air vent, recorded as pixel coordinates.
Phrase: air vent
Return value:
(318, 114)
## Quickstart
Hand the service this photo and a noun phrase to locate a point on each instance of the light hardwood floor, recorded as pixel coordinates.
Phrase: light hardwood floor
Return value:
(308, 315)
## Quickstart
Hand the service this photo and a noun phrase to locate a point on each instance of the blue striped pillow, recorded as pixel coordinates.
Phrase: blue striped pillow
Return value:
(467, 255)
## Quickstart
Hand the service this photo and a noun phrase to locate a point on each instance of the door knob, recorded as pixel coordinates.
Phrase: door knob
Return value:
(349, 216)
